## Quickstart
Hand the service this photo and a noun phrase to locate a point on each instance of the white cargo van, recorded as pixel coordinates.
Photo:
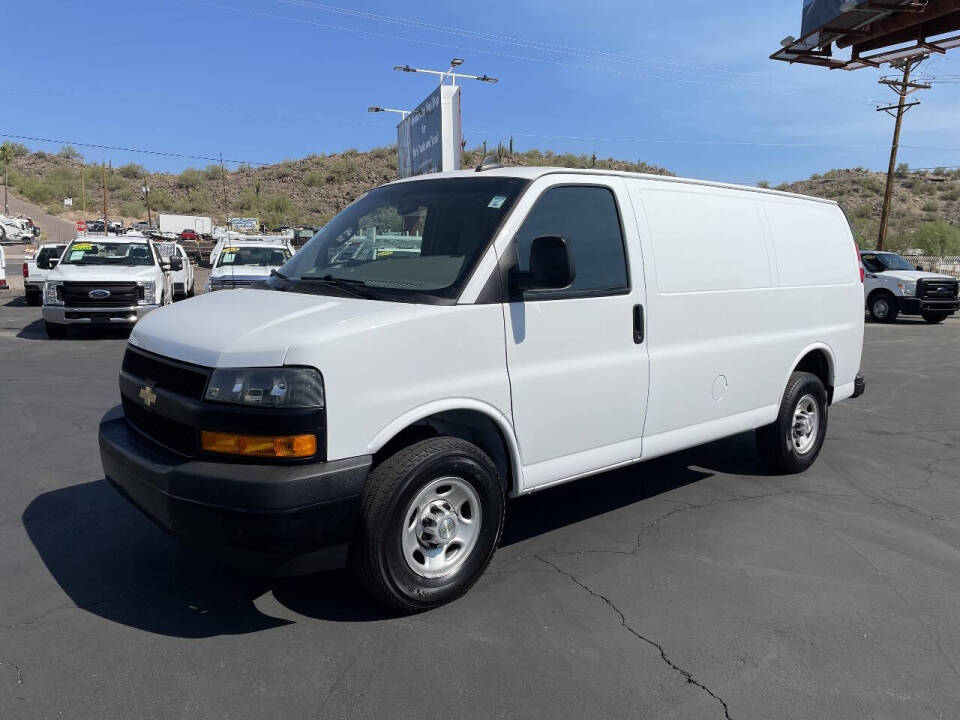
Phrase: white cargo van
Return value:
(553, 324)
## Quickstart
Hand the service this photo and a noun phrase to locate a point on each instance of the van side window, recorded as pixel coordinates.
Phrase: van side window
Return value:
(587, 218)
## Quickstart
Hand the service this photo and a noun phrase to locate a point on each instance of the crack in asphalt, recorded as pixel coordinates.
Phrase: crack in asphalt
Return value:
(686, 674)
(15, 667)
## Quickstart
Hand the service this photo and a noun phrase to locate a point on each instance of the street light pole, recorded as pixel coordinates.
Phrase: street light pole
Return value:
(402, 113)
(449, 73)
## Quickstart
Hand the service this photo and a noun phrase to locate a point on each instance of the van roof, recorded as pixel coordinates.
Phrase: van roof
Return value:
(533, 173)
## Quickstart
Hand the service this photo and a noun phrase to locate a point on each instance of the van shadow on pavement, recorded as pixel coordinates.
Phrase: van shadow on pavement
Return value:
(112, 561)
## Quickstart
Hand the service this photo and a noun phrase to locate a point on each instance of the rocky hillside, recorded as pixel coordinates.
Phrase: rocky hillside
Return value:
(294, 192)
(925, 212)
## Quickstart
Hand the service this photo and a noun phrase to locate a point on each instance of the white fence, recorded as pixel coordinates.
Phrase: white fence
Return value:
(949, 265)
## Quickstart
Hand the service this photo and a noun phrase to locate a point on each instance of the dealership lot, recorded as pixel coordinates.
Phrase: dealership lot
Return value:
(692, 586)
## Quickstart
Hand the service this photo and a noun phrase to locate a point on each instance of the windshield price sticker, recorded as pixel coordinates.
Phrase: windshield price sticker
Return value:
(497, 202)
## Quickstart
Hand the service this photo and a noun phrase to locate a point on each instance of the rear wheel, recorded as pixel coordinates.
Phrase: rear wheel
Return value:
(883, 307)
(792, 442)
(430, 521)
(33, 297)
(55, 331)
(934, 317)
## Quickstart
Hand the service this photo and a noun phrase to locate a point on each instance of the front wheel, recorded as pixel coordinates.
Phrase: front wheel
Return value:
(430, 520)
(883, 308)
(933, 317)
(792, 442)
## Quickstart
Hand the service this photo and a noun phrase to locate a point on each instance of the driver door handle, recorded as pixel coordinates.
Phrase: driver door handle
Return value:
(638, 324)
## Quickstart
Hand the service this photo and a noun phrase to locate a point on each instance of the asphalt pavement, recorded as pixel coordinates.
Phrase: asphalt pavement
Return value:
(692, 586)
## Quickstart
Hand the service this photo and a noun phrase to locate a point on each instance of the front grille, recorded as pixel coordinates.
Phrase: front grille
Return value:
(178, 378)
(232, 283)
(162, 430)
(77, 294)
(937, 289)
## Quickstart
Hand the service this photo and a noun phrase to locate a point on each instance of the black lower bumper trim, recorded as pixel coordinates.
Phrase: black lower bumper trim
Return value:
(859, 386)
(916, 306)
(285, 519)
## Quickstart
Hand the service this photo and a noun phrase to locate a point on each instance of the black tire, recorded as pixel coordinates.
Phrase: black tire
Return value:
(883, 307)
(377, 554)
(55, 331)
(777, 442)
(934, 317)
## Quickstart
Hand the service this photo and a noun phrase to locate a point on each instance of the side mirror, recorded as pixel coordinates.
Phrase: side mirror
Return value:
(920, 268)
(176, 263)
(551, 267)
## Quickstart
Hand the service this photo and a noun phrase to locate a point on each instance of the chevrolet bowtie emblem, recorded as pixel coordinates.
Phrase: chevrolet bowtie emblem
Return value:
(148, 396)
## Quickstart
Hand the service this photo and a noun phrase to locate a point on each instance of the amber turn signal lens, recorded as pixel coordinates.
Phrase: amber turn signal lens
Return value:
(285, 446)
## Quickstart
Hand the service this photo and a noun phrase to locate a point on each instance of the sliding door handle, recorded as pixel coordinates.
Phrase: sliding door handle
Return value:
(638, 324)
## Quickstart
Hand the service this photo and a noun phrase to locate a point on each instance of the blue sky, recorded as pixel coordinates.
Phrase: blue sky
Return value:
(680, 84)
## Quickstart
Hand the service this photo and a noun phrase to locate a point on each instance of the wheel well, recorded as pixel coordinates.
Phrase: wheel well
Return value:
(878, 291)
(469, 425)
(817, 363)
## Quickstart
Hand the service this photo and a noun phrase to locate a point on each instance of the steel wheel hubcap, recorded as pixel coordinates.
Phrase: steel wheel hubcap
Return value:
(880, 308)
(441, 527)
(806, 425)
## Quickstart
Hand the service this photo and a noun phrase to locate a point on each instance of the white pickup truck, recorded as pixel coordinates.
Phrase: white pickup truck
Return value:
(242, 263)
(182, 281)
(111, 280)
(15, 230)
(36, 269)
(892, 286)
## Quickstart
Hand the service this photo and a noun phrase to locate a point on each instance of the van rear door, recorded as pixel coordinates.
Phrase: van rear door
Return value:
(576, 357)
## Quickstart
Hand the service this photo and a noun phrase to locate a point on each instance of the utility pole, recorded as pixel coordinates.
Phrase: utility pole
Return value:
(223, 178)
(5, 205)
(146, 193)
(902, 87)
(105, 232)
(83, 191)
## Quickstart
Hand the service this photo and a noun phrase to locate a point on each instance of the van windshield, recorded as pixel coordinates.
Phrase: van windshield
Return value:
(84, 252)
(414, 241)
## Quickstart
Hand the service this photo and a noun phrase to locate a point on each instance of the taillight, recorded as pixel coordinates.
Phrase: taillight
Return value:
(856, 250)
(26, 270)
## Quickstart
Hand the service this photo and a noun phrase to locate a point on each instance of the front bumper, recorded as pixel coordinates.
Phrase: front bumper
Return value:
(916, 306)
(93, 315)
(280, 519)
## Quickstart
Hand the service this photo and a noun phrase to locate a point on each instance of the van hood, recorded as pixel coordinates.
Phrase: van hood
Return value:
(250, 328)
(913, 275)
(242, 271)
(103, 273)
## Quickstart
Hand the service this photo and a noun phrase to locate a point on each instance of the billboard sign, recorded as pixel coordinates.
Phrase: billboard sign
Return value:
(818, 13)
(239, 223)
(428, 139)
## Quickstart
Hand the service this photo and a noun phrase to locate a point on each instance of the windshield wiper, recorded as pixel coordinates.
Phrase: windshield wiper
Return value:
(357, 288)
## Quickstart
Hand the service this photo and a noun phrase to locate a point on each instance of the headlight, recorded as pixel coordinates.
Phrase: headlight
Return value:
(52, 293)
(267, 387)
(908, 288)
(149, 292)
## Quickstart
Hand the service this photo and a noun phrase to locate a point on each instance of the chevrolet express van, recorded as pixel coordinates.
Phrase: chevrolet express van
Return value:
(378, 410)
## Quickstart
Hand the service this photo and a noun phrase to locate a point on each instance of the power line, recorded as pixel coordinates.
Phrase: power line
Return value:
(162, 153)
(522, 42)
(544, 61)
(734, 143)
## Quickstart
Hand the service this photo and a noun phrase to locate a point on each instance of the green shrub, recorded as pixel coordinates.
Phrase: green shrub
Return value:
(951, 194)
(315, 178)
(931, 206)
(190, 178)
(763, 184)
(213, 171)
(936, 238)
(134, 209)
(132, 170)
(68, 152)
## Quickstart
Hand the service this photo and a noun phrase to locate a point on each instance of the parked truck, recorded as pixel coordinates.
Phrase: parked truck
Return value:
(176, 224)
